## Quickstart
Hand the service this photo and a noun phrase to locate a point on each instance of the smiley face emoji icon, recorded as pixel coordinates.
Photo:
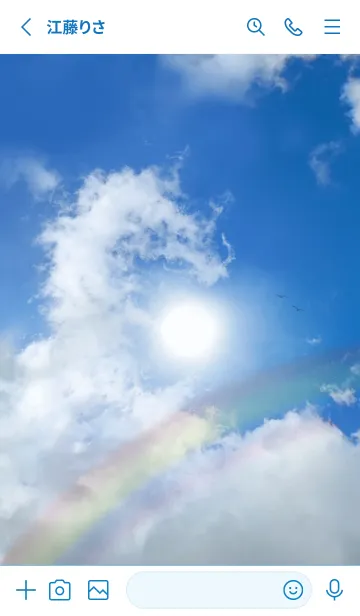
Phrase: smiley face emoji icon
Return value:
(293, 589)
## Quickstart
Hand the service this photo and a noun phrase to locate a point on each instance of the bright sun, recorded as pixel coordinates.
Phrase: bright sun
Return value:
(189, 331)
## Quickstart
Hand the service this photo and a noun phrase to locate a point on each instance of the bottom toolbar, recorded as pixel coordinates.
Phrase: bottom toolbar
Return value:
(126, 589)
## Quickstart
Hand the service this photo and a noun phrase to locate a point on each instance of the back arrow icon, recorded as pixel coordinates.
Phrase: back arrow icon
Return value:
(25, 24)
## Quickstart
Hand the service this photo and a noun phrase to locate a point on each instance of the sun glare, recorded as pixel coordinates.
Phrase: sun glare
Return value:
(189, 331)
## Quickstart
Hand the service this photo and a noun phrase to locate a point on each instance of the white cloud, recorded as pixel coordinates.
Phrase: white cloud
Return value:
(351, 97)
(314, 341)
(355, 369)
(343, 397)
(39, 180)
(279, 494)
(320, 161)
(232, 76)
(80, 388)
(352, 62)
(229, 75)
(284, 494)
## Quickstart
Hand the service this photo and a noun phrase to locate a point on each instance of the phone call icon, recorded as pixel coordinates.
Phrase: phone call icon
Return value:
(291, 28)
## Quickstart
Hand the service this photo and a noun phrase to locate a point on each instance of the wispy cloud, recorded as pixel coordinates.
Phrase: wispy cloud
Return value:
(351, 97)
(343, 397)
(231, 76)
(320, 161)
(39, 179)
(355, 369)
(314, 341)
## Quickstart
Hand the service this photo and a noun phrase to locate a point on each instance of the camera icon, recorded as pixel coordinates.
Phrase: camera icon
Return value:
(59, 591)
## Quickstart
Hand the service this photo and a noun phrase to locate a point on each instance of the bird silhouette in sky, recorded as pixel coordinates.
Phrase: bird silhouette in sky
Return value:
(281, 296)
(298, 309)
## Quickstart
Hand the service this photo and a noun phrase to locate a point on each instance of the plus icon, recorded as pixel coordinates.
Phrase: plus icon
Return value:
(26, 590)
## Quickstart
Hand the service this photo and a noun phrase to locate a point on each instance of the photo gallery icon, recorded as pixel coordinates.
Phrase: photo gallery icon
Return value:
(98, 590)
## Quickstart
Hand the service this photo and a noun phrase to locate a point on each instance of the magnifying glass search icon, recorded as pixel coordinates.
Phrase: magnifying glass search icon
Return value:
(255, 25)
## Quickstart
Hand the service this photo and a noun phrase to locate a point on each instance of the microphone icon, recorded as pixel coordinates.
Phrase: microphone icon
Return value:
(334, 590)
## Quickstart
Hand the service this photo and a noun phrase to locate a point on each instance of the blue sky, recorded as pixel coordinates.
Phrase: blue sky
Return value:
(272, 141)
(84, 112)
(290, 234)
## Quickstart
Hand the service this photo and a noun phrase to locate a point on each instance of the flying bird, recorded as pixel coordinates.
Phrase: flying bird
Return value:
(281, 296)
(298, 309)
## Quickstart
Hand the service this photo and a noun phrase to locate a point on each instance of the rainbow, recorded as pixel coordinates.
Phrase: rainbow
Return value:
(234, 408)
